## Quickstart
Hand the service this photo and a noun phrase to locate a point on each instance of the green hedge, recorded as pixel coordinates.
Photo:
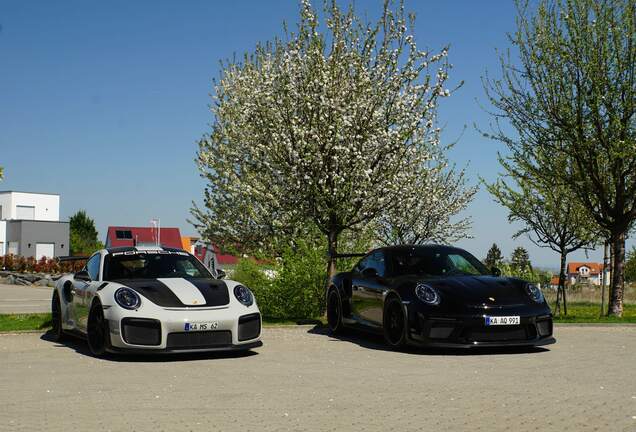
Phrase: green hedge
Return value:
(292, 288)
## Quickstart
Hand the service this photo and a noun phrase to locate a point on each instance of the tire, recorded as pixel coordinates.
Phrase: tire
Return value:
(97, 330)
(334, 312)
(394, 323)
(57, 333)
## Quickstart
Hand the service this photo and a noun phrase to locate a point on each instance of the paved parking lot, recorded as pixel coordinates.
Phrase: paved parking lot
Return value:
(24, 299)
(303, 379)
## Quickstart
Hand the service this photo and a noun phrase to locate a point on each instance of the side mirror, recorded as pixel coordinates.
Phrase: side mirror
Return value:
(369, 272)
(220, 274)
(495, 271)
(83, 276)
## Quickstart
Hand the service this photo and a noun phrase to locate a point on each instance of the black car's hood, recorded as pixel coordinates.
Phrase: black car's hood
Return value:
(475, 290)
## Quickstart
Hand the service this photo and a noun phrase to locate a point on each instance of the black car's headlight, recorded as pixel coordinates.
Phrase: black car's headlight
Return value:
(243, 295)
(534, 292)
(127, 298)
(427, 294)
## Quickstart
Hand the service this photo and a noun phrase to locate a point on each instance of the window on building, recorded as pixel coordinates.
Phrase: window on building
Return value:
(0, 212)
(123, 234)
(25, 212)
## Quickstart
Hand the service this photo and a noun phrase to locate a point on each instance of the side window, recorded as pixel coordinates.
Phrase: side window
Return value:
(362, 264)
(378, 263)
(92, 266)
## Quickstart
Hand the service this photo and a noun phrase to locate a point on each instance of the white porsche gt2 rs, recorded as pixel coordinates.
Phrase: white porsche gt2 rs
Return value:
(154, 299)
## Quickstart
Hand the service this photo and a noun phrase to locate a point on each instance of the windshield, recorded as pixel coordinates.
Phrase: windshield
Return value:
(152, 265)
(436, 262)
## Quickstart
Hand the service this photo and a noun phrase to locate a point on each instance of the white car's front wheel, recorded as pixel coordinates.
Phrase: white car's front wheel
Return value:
(97, 330)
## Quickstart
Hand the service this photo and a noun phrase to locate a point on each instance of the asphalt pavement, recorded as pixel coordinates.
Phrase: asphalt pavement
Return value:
(302, 379)
(24, 299)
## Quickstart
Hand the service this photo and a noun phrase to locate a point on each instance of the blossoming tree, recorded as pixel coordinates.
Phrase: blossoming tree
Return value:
(325, 130)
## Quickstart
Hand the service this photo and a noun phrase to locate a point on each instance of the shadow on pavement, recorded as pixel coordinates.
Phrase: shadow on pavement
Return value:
(376, 342)
(80, 346)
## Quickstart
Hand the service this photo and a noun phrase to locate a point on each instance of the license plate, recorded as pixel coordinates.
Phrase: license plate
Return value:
(200, 325)
(502, 320)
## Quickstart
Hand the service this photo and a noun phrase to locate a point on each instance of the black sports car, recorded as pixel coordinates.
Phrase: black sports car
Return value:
(437, 296)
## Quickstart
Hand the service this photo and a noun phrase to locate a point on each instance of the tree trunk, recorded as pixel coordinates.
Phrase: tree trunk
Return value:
(561, 288)
(332, 240)
(615, 304)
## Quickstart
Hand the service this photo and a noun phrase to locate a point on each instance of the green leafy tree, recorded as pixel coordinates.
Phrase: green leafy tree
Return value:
(571, 101)
(494, 258)
(83, 234)
(324, 130)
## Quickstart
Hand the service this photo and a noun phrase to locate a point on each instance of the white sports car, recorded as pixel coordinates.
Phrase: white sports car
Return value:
(153, 300)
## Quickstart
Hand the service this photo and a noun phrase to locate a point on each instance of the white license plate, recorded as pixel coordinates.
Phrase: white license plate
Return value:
(200, 325)
(502, 320)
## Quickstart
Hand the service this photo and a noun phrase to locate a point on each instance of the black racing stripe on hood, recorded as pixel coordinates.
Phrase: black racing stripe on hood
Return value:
(214, 291)
(153, 290)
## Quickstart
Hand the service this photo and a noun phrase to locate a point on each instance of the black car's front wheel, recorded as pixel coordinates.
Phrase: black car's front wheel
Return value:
(97, 330)
(394, 323)
(334, 312)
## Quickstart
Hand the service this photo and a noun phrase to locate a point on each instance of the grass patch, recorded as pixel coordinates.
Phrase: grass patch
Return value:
(589, 313)
(16, 322)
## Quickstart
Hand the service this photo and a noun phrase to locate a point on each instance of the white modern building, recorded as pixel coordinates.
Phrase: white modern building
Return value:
(30, 225)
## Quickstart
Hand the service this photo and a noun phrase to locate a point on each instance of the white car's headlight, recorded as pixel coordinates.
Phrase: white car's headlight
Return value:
(427, 294)
(534, 292)
(243, 295)
(127, 298)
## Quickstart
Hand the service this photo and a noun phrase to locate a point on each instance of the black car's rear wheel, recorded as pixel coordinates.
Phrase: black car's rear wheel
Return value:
(97, 330)
(394, 323)
(334, 311)
(57, 334)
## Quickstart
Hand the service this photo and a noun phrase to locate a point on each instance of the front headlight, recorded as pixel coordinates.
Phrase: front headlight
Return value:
(427, 294)
(534, 292)
(243, 295)
(127, 298)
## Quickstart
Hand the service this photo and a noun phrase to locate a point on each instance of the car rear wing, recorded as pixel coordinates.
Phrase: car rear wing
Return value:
(72, 258)
(346, 255)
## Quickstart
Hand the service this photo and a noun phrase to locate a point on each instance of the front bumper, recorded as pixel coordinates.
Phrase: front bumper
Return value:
(165, 330)
(470, 331)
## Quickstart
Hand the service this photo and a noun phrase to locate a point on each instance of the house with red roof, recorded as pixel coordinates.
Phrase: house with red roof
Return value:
(122, 236)
(586, 273)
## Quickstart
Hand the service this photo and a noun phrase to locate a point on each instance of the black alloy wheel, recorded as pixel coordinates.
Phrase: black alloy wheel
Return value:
(57, 334)
(334, 312)
(394, 323)
(97, 330)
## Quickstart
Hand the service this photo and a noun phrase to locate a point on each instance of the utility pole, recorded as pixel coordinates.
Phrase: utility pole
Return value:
(604, 278)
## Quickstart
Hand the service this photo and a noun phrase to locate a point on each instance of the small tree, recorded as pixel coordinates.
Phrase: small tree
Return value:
(550, 216)
(520, 259)
(322, 131)
(83, 234)
(494, 258)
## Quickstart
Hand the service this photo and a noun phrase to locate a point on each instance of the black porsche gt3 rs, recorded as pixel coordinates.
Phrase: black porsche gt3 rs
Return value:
(437, 296)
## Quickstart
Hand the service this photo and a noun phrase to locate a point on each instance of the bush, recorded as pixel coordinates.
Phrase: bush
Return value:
(295, 286)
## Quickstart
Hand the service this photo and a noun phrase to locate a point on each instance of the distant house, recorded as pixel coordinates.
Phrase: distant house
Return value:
(586, 272)
(30, 225)
(205, 252)
(121, 236)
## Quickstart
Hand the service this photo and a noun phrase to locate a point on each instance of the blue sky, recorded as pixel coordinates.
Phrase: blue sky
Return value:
(103, 102)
